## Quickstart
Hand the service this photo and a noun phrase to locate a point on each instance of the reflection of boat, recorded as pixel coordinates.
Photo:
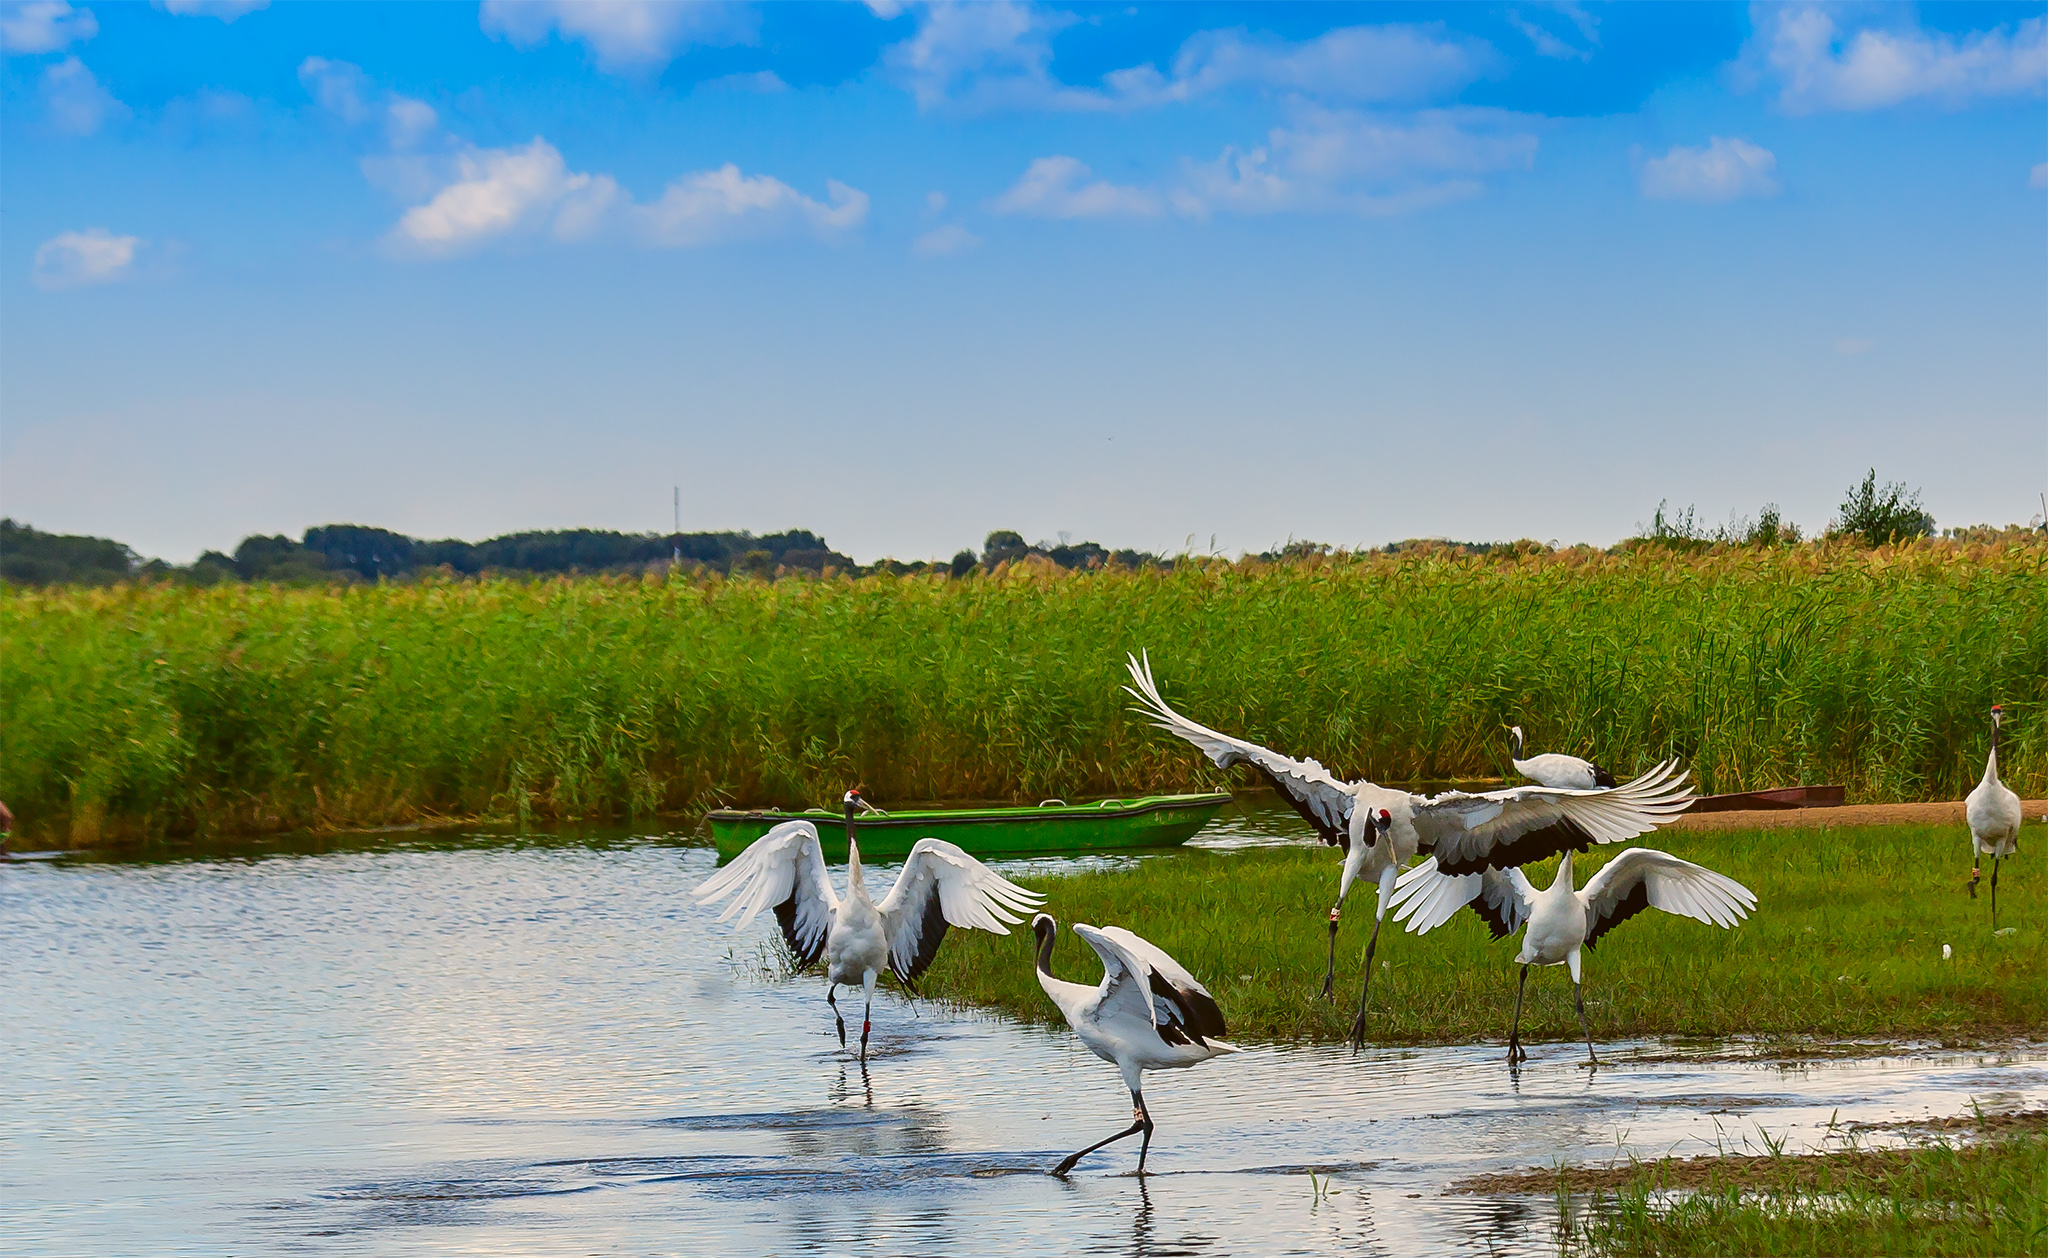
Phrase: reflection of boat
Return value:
(1054, 826)
(1783, 797)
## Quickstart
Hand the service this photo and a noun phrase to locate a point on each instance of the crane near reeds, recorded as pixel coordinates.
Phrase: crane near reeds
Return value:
(1381, 829)
(1147, 1013)
(939, 886)
(1993, 811)
(1561, 921)
(1554, 768)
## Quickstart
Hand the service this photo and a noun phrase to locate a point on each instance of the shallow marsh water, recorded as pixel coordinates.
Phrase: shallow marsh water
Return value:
(544, 1047)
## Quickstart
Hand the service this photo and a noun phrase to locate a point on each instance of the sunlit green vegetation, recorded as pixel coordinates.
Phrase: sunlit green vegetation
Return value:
(1845, 942)
(1988, 1199)
(144, 710)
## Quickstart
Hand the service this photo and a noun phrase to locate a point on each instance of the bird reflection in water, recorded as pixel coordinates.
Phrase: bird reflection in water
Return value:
(843, 1091)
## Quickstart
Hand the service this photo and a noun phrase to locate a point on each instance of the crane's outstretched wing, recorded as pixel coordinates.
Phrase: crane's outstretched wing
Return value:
(1190, 998)
(942, 886)
(1322, 801)
(785, 869)
(1426, 898)
(1642, 878)
(1524, 824)
(1135, 991)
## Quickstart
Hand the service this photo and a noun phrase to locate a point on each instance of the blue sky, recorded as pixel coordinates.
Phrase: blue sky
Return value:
(1155, 275)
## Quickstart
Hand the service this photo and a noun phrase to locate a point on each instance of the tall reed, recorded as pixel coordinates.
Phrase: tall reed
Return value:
(145, 710)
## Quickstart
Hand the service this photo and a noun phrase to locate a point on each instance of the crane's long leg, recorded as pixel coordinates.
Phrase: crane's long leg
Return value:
(832, 999)
(1139, 1122)
(1387, 879)
(1145, 1117)
(867, 1013)
(1330, 971)
(1976, 873)
(1571, 960)
(1515, 1053)
(1995, 858)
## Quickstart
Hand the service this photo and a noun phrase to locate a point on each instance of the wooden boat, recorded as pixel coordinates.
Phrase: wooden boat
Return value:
(1782, 797)
(1053, 827)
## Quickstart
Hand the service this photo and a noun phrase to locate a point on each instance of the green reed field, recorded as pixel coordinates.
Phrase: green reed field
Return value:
(1845, 942)
(142, 711)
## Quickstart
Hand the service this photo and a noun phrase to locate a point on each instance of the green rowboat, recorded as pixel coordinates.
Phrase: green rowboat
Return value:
(1054, 826)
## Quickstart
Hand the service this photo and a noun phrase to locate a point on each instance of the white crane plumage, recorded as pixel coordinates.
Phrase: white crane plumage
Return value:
(1148, 1013)
(1381, 829)
(1554, 768)
(1561, 921)
(1993, 811)
(939, 886)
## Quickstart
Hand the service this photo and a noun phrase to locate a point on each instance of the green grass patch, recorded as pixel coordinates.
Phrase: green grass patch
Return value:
(143, 711)
(1845, 943)
(1988, 1198)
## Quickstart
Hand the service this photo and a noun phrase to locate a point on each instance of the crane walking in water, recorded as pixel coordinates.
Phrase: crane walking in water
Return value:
(1148, 1013)
(939, 886)
(1561, 921)
(1993, 811)
(1381, 829)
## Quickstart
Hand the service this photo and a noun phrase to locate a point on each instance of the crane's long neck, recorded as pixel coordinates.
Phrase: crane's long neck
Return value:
(1991, 761)
(1563, 881)
(1045, 940)
(856, 885)
(1515, 738)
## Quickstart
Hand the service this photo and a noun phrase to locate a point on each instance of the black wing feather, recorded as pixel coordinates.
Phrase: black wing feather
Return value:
(1191, 1015)
(1602, 777)
(930, 931)
(1332, 836)
(1631, 904)
(1562, 835)
(785, 916)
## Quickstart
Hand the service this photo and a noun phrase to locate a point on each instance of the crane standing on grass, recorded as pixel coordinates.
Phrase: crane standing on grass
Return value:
(939, 886)
(1560, 920)
(1993, 811)
(1554, 768)
(1381, 829)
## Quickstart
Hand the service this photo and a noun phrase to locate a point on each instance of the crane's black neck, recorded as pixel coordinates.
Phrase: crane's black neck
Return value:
(1046, 932)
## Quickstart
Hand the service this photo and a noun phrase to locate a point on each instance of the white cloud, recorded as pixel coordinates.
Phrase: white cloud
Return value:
(1722, 171)
(1058, 187)
(1820, 66)
(709, 206)
(2038, 177)
(1333, 160)
(624, 36)
(340, 87)
(408, 121)
(1551, 45)
(44, 26)
(502, 191)
(999, 55)
(75, 102)
(225, 10)
(1353, 63)
(530, 191)
(943, 240)
(764, 82)
(76, 259)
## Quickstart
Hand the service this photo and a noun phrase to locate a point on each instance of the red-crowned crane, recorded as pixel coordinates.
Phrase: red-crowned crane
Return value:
(1554, 768)
(1381, 829)
(1561, 921)
(1993, 811)
(1148, 1013)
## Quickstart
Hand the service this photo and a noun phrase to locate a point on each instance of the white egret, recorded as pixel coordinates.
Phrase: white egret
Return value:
(939, 886)
(1148, 1013)
(1993, 811)
(1381, 829)
(1561, 921)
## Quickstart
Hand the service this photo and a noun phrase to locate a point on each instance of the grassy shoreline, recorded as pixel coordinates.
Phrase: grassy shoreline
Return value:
(1983, 1197)
(144, 711)
(1845, 944)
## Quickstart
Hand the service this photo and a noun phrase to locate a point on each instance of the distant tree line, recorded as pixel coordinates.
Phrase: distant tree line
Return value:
(1871, 515)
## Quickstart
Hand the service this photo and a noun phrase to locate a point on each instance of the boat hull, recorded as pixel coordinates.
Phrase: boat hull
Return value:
(1151, 821)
